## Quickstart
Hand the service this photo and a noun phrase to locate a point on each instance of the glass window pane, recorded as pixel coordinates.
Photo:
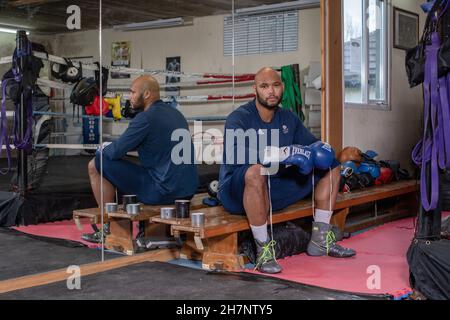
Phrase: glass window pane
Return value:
(353, 50)
(377, 49)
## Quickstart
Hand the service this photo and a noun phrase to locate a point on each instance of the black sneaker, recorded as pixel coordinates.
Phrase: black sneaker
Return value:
(95, 237)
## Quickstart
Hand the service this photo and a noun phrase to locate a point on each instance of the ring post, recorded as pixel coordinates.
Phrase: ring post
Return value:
(22, 172)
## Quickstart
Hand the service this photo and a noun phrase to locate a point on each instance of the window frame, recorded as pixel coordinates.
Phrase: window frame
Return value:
(368, 103)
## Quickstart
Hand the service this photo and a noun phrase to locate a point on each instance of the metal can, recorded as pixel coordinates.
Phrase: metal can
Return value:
(198, 219)
(182, 209)
(111, 207)
(133, 208)
(128, 199)
(168, 213)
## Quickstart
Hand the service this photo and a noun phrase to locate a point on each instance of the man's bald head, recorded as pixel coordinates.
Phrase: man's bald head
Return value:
(144, 91)
(268, 88)
(266, 72)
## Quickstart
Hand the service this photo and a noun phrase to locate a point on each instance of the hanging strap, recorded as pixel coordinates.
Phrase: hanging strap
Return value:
(429, 145)
(26, 142)
(433, 151)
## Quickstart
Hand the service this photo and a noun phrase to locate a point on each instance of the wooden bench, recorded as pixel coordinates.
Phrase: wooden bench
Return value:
(216, 243)
(121, 224)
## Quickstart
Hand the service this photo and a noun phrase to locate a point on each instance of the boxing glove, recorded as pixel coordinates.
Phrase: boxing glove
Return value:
(295, 155)
(372, 169)
(323, 155)
(386, 176)
(348, 169)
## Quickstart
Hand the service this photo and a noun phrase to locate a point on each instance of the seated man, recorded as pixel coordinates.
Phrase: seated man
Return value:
(157, 180)
(244, 185)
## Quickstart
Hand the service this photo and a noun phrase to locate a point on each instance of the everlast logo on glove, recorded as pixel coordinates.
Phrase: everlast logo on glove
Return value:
(290, 151)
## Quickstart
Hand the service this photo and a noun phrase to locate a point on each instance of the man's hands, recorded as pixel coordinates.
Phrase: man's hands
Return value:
(296, 155)
(319, 155)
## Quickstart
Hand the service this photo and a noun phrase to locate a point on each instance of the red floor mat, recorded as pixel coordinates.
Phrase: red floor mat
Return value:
(383, 249)
(62, 230)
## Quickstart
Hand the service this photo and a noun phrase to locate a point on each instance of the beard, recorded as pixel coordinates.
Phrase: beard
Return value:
(265, 104)
(139, 104)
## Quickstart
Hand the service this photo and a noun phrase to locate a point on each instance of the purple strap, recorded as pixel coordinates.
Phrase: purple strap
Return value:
(26, 142)
(433, 152)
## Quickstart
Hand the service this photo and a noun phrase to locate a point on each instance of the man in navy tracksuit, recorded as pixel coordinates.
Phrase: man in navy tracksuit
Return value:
(157, 180)
(243, 189)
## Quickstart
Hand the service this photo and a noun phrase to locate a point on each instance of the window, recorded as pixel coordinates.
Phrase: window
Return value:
(263, 33)
(365, 52)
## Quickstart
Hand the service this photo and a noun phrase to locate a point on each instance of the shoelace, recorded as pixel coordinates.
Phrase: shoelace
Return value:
(330, 240)
(267, 254)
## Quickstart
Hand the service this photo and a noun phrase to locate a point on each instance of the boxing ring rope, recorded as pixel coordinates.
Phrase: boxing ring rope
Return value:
(116, 89)
(66, 115)
(201, 79)
(137, 71)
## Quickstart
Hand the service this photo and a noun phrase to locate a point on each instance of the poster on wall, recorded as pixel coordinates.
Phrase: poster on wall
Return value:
(120, 57)
(406, 29)
(173, 64)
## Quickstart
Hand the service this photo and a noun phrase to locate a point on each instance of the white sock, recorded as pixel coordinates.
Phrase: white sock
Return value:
(323, 216)
(260, 233)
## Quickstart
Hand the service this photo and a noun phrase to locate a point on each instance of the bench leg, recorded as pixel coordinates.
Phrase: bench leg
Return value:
(218, 253)
(121, 236)
(222, 253)
(190, 251)
(339, 218)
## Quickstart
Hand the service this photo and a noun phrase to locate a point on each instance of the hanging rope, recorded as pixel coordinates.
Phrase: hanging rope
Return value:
(292, 96)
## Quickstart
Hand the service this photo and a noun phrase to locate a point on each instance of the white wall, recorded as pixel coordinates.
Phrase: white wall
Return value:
(391, 133)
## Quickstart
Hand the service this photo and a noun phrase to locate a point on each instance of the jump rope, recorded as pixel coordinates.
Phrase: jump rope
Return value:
(313, 203)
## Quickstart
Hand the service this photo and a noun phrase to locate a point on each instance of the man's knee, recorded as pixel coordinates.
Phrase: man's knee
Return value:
(92, 170)
(255, 177)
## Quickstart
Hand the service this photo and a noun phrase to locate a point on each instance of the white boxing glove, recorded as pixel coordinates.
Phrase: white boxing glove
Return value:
(276, 155)
(271, 155)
